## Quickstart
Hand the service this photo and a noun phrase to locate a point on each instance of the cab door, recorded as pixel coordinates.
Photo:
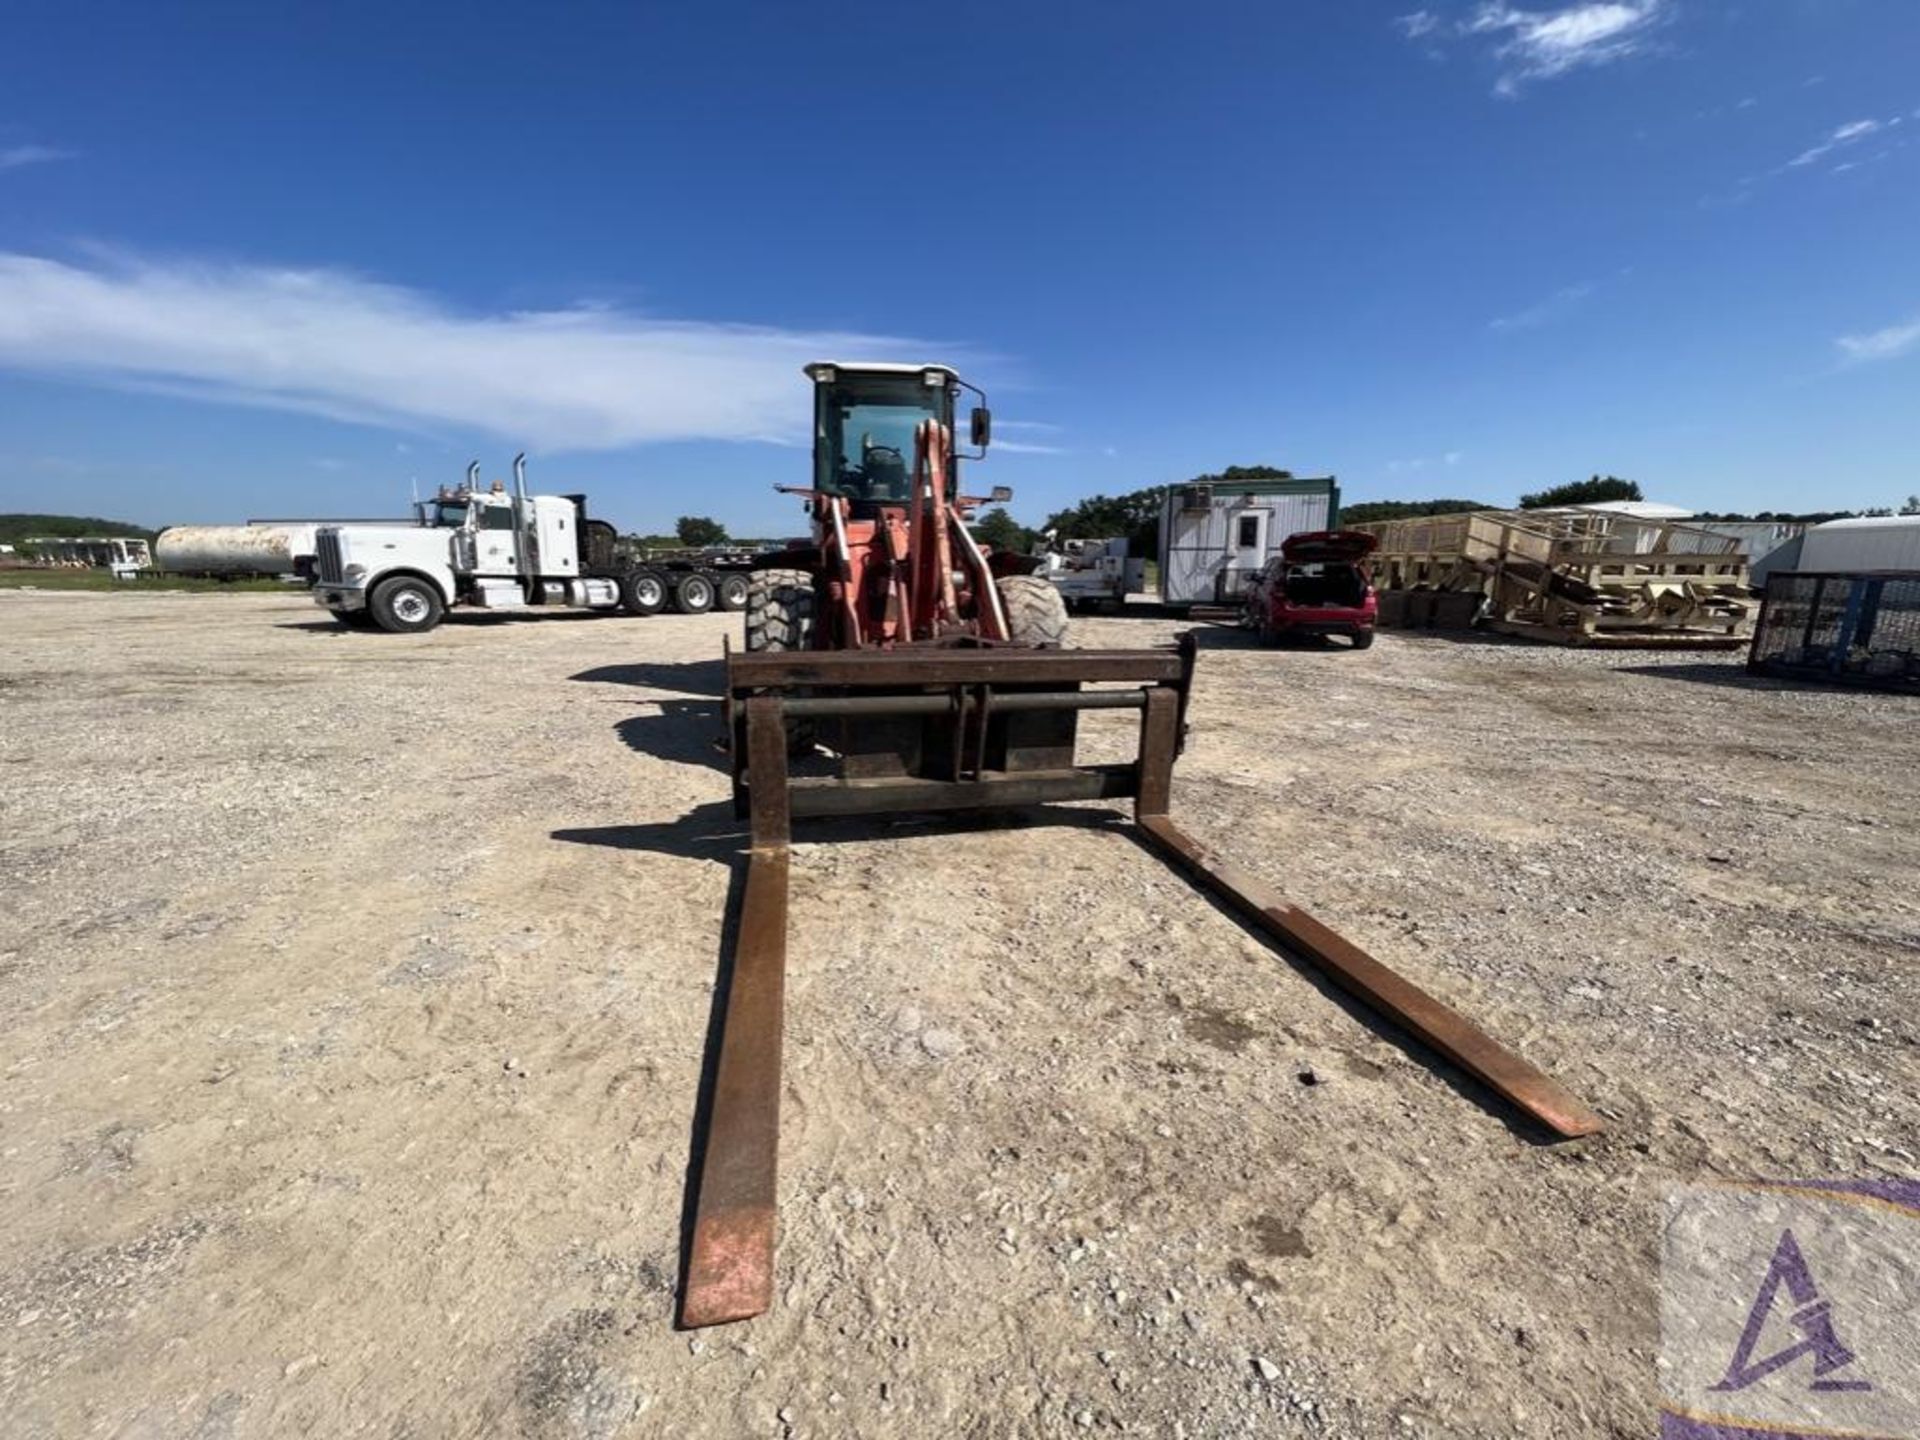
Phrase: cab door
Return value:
(496, 542)
(555, 518)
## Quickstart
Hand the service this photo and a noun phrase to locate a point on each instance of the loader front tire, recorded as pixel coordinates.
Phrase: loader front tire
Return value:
(1036, 612)
(779, 610)
(780, 617)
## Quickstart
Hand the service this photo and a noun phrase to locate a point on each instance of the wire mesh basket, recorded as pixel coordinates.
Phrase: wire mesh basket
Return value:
(1844, 629)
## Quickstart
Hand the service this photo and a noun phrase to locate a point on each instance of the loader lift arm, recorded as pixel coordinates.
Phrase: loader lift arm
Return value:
(960, 728)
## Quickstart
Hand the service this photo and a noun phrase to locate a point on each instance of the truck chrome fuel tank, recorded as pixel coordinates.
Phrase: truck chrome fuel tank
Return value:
(253, 549)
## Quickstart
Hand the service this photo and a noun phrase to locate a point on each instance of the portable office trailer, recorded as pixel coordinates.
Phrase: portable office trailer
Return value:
(1216, 536)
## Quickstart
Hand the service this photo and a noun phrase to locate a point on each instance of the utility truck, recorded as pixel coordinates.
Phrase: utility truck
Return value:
(1091, 572)
(488, 549)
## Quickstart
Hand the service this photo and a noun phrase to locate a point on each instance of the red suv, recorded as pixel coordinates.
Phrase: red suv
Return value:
(1316, 585)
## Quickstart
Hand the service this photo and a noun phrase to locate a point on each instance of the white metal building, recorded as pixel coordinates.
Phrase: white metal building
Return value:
(1879, 542)
(1216, 536)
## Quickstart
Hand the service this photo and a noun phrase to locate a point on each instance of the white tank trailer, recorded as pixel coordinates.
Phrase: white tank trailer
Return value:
(259, 547)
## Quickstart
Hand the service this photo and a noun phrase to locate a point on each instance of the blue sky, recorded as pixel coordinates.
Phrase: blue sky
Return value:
(274, 259)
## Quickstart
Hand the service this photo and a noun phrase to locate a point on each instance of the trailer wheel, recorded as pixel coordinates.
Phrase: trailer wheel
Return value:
(693, 593)
(1036, 612)
(780, 617)
(406, 605)
(733, 591)
(643, 592)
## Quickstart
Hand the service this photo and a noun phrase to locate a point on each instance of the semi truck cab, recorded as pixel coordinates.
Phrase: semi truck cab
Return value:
(485, 548)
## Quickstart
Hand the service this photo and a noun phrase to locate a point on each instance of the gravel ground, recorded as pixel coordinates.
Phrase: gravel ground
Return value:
(354, 991)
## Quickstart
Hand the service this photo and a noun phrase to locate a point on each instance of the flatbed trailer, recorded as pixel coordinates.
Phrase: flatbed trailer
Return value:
(695, 579)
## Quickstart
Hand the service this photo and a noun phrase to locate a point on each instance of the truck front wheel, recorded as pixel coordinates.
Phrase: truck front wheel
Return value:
(406, 604)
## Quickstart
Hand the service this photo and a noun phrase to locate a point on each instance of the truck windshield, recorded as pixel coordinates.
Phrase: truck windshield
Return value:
(863, 437)
(450, 513)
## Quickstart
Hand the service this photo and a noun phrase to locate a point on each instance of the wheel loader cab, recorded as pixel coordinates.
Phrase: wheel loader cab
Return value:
(864, 418)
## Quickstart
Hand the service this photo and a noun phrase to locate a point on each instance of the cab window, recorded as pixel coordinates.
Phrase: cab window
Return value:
(496, 517)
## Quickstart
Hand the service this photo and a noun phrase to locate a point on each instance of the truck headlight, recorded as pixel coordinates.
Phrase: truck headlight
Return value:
(355, 572)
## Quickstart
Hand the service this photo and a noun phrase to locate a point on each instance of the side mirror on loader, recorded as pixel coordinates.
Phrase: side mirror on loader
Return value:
(982, 427)
(1000, 494)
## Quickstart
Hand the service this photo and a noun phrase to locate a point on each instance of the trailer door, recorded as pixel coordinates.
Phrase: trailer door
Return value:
(1246, 549)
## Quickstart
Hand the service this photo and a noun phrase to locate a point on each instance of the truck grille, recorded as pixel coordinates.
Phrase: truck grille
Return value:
(332, 572)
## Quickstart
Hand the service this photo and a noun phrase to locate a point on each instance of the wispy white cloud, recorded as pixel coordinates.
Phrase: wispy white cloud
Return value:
(1534, 45)
(1888, 344)
(1423, 462)
(12, 157)
(1556, 306)
(1038, 428)
(1846, 135)
(328, 343)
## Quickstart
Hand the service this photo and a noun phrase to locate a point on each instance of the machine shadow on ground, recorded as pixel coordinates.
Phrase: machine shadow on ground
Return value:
(687, 732)
(687, 677)
(1726, 677)
(454, 619)
(1223, 635)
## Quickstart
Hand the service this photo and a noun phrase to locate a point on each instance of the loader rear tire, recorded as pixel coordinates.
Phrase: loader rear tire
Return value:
(1036, 612)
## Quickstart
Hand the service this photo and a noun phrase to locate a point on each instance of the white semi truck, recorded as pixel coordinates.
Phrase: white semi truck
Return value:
(494, 550)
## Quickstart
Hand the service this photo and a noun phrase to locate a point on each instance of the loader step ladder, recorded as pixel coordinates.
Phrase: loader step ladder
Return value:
(959, 729)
